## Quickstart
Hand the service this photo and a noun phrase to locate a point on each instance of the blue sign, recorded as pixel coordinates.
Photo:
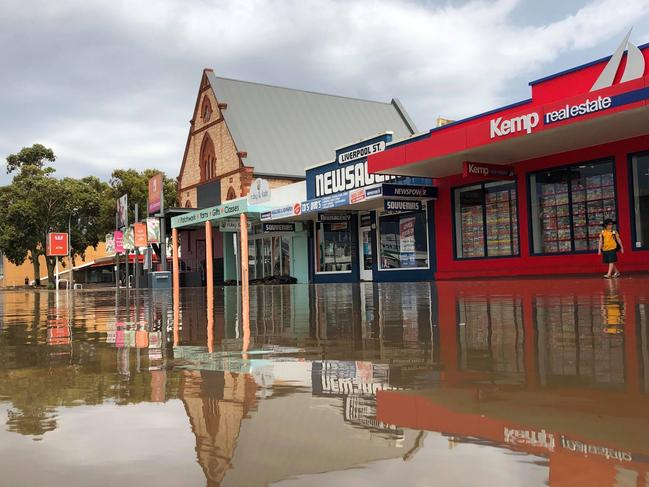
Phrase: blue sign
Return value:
(348, 171)
(326, 203)
(401, 205)
(409, 191)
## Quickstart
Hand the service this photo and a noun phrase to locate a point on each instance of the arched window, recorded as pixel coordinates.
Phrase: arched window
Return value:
(188, 204)
(207, 159)
(232, 194)
(206, 109)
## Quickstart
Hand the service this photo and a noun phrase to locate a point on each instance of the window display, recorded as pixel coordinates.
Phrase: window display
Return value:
(333, 247)
(490, 208)
(269, 256)
(403, 240)
(640, 171)
(569, 206)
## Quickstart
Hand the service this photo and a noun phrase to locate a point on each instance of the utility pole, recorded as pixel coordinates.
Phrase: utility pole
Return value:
(163, 232)
(137, 254)
(116, 259)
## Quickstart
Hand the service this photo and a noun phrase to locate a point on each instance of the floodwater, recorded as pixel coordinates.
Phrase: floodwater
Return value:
(513, 383)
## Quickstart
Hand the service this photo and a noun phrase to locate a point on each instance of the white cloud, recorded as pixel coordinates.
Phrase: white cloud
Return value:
(112, 83)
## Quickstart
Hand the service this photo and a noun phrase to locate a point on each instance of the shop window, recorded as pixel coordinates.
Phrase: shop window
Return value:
(333, 247)
(490, 210)
(269, 256)
(640, 172)
(568, 207)
(403, 240)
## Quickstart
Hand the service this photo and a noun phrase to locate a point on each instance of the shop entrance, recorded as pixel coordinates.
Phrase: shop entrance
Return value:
(269, 256)
(365, 247)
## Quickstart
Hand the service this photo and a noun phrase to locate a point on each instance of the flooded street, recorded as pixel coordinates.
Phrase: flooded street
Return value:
(510, 382)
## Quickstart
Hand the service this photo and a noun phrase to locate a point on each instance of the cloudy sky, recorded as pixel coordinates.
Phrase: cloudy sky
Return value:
(112, 83)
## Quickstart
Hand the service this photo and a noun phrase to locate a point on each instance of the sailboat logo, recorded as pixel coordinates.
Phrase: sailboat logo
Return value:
(634, 68)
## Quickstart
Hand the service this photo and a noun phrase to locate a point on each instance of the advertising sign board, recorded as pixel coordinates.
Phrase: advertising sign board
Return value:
(118, 238)
(139, 234)
(155, 194)
(259, 192)
(487, 171)
(122, 211)
(110, 243)
(153, 230)
(57, 244)
(129, 239)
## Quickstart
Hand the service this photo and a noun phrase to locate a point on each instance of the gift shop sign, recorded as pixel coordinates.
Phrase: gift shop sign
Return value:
(259, 192)
(231, 208)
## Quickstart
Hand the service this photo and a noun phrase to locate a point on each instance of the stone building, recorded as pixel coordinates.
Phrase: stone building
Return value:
(240, 131)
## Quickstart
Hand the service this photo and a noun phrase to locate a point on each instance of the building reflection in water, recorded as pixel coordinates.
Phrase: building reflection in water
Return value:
(346, 376)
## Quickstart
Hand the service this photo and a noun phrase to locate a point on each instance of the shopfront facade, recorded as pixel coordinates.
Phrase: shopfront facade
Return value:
(362, 226)
(277, 252)
(523, 190)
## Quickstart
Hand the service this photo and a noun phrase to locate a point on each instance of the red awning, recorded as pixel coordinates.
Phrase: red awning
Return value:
(531, 130)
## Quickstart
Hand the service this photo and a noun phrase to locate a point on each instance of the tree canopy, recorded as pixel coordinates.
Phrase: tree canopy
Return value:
(37, 203)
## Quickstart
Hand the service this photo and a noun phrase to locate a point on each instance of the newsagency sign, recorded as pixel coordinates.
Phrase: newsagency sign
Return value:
(348, 171)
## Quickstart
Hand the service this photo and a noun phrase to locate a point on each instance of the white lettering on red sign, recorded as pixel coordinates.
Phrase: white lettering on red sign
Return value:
(499, 127)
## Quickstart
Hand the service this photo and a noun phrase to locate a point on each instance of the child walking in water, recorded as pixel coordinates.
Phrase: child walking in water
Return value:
(609, 244)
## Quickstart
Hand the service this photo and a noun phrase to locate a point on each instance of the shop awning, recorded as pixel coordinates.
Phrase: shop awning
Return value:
(360, 199)
(530, 130)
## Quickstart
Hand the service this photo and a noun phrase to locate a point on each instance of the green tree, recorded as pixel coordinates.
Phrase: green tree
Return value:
(37, 156)
(136, 185)
(36, 203)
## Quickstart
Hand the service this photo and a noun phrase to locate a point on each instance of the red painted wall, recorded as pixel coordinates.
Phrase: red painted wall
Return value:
(527, 264)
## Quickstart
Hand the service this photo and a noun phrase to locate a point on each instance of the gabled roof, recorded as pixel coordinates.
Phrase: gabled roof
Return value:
(284, 130)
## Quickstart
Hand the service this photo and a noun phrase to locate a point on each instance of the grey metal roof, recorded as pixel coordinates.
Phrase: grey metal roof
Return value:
(284, 130)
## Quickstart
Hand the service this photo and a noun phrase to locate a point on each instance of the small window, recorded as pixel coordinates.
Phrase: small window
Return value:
(231, 194)
(206, 110)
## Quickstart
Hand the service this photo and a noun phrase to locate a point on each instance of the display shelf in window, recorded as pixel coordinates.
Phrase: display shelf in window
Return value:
(472, 232)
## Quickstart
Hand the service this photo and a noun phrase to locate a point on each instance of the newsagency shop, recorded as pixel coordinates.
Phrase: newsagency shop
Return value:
(363, 226)
(524, 189)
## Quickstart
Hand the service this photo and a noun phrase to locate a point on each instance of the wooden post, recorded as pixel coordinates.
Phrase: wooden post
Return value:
(209, 263)
(245, 291)
(176, 284)
(176, 263)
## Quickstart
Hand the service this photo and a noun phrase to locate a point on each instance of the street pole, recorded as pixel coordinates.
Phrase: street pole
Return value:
(163, 232)
(137, 254)
(71, 283)
(116, 260)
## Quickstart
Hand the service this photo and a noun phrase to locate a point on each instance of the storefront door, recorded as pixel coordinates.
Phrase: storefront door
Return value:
(365, 252)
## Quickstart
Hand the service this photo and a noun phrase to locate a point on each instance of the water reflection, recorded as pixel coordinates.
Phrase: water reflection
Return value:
(347, 383)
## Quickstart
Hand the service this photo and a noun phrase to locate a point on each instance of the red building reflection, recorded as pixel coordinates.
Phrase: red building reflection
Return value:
(550, 368)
